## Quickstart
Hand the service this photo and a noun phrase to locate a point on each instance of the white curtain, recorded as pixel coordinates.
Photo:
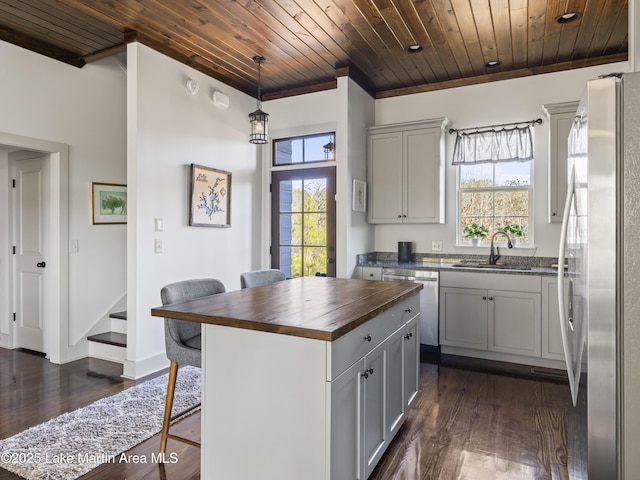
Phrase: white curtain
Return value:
(493, 146)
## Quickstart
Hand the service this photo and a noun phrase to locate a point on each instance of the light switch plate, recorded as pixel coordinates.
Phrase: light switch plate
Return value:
(158, 245)
(74, 246)
(436, 245)
(158, 224)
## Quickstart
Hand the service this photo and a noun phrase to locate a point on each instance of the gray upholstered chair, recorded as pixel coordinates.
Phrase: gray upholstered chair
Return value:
(183, 342)
(261, 277)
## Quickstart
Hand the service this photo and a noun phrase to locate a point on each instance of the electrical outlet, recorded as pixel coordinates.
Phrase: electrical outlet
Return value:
(436, 245)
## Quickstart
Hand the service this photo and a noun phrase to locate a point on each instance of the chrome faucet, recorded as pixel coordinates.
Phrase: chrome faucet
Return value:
(493, 257)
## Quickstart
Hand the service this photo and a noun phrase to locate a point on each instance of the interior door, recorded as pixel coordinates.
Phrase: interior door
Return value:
(29, 258)
(303, 222)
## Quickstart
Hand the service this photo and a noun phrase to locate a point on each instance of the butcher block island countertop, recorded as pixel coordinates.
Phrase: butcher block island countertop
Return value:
(309, 378)
(320, 308)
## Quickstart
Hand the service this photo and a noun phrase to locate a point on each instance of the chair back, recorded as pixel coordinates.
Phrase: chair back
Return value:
(261, 277)
(178, 332)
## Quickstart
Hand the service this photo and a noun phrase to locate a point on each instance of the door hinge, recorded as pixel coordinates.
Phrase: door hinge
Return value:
(269, 188)
(14, 316)
(13, 182)
(14, 249)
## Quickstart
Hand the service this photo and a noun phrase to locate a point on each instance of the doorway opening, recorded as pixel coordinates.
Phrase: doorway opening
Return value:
(55, 290)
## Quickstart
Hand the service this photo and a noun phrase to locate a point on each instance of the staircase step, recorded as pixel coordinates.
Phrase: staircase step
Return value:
(120, 315)
(110, 338)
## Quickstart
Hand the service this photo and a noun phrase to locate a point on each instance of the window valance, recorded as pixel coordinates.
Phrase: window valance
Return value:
(492, 145)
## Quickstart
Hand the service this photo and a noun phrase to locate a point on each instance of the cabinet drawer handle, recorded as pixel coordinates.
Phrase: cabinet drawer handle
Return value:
(367, 373)
(484, 298)
(490, 298)
(368, 338)
(408, 310)
(408, 335)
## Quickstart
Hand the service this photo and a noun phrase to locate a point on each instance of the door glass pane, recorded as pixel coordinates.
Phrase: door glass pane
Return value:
(291, 261)
(315, 229)
(296, 196)
(315, 261)
(315, 195)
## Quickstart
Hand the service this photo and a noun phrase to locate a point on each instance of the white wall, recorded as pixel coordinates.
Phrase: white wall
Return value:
(356, 112)
(85, 109)
(168, 129)
(478, 105)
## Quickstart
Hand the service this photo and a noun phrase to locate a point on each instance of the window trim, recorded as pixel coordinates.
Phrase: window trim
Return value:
(460, 241)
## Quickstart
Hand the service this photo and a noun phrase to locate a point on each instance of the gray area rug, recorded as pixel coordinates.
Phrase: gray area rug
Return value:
(74, 443)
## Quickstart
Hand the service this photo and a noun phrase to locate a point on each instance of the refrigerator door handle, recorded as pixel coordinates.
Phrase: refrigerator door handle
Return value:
(561, 291)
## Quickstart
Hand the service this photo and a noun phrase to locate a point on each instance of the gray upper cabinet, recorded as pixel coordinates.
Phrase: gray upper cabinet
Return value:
(406, 172)
(560, 117)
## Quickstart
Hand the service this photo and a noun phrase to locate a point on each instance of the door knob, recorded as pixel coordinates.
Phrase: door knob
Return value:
(41, 264)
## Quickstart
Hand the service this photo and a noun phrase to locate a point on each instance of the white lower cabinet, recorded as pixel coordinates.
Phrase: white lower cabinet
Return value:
(369, 273)
(491, 312)
(347, 424)
(370, 400)
(463, 317)
(514, 322)
(375, 393)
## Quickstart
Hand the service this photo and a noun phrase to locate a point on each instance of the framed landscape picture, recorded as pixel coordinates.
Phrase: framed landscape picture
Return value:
(108, 203)
(210, 204)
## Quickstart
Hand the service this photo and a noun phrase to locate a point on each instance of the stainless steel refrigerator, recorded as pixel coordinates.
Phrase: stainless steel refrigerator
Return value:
(599, 290)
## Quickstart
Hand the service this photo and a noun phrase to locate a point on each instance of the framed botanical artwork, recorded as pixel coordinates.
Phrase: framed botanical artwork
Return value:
(359, 201)
(210, 204)
(108, 203)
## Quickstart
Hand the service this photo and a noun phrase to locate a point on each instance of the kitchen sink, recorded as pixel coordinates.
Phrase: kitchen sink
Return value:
(501, 266)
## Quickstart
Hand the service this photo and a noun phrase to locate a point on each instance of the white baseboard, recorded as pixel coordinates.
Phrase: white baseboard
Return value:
(146, 366)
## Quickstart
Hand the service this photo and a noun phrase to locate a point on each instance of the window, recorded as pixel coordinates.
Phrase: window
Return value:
(304, 149)
(495, 195)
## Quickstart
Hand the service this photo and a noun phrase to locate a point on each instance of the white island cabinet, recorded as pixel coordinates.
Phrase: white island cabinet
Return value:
(314, 386)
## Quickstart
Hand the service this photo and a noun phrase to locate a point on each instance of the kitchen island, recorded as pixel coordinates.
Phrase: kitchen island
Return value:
(307, 378)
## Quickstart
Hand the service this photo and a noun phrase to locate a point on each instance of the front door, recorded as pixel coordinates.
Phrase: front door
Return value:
(29, 258)
(303, 221)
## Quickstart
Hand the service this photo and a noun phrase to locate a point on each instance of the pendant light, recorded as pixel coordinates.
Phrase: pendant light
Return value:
(258, 119)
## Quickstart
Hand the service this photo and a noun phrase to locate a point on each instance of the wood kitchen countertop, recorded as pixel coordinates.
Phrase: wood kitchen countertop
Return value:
(320, 308)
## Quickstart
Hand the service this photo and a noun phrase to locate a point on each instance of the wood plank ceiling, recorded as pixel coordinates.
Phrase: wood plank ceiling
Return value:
(308, 43)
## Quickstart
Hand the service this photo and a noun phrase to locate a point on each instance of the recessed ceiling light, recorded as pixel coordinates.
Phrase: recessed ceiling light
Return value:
(414, 48)
(492, 63)
(568, 17)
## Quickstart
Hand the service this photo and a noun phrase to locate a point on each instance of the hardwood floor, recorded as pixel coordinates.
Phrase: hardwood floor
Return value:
(474, 425)
(466, 424)
(33, 390)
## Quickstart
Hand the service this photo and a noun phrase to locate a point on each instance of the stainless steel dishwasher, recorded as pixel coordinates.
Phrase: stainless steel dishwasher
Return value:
(428, 299)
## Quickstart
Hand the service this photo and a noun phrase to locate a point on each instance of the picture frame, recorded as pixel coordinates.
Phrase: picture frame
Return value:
(359, 201)
(210, 197)
(108, 203)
